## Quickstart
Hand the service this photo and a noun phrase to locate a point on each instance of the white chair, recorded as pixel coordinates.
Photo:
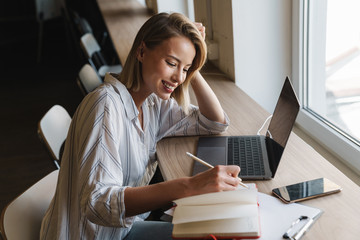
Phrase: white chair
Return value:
(92, 51)
(52, 130)
(89, 44)
(88, 79)
(21, 219)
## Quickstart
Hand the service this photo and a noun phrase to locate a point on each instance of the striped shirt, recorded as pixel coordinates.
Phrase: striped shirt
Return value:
(106, 151)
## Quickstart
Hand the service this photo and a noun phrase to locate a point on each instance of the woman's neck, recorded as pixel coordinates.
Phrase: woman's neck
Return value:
(138, 98)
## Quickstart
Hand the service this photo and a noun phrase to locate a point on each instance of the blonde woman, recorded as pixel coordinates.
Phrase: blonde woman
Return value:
(109, 158)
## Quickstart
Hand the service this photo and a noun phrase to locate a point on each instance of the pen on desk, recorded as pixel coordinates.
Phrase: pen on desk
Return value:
(303, 230)
(211, 166)
(287, 234)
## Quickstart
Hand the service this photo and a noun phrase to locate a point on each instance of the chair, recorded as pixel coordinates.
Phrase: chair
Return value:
(81, 24)
(88, 79)
(21, 219)
(92, 51)
(45, 10)
(52, 131)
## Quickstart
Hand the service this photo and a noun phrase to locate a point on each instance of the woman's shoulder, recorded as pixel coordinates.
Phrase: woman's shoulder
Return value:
(101, 95)
(111, 91)
(103, 99)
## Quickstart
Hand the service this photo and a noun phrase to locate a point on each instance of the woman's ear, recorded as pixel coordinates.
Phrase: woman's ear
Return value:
(140, 52)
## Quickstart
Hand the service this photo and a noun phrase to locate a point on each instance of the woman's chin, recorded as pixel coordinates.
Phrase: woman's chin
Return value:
(164, 96)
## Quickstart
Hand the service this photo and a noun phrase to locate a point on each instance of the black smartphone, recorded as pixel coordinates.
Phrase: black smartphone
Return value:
(306, 190)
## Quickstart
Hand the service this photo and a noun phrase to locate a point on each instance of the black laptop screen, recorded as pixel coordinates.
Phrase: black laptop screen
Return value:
(284, 115)
(281, 124)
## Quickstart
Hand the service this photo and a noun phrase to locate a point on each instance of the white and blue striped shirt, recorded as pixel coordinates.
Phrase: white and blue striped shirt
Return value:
(106, 150)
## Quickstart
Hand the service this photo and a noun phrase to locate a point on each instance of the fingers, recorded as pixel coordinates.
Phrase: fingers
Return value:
(233, 170)
(227, 177)
(231, 176)
(201, 29)
(219, 178)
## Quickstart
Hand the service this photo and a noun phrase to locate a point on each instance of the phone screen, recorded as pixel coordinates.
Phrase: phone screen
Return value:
(306, 190)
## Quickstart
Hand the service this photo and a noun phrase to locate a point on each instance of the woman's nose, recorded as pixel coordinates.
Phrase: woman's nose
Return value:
(178, 76)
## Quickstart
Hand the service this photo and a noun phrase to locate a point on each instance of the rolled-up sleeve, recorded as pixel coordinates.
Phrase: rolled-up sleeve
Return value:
(174, 122)
(215, 127)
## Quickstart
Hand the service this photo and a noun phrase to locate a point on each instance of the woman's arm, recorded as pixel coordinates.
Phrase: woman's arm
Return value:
(143, 199)
(208, 103)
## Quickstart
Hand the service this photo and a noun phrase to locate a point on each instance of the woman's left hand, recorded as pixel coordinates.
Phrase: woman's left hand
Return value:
(201, 28)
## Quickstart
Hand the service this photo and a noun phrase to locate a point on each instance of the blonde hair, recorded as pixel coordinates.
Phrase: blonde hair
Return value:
(155, 30)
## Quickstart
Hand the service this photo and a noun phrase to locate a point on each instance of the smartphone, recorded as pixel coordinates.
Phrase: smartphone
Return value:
(306, 190)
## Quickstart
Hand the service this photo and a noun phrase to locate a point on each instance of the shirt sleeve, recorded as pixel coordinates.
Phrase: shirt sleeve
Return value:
(174, 122)
(101, 175)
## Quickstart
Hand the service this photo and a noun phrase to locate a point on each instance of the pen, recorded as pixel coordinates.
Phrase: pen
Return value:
(303, 230)
(287, 234)
(211, 166)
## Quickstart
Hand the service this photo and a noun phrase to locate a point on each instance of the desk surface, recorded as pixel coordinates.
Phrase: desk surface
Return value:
(300, 162)
(123, 19)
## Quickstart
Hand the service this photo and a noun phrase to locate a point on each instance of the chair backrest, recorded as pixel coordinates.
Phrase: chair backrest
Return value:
(48, 9)
(81, 24)
(88, 79)
(89, 44)
(110, 68)
(21, 219)
(53, 128)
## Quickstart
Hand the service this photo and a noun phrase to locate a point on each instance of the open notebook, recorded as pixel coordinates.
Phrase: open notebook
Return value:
(232, 214)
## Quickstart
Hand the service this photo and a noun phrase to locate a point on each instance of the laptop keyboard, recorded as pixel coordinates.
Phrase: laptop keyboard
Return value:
(246, 153)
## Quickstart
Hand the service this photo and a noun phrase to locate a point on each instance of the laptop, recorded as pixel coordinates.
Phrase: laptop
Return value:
(258, 156)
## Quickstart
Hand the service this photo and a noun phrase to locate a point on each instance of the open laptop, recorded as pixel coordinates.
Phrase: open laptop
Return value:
(258, 156)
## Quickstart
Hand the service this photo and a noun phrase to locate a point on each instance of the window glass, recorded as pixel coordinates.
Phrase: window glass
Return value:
(333, 64)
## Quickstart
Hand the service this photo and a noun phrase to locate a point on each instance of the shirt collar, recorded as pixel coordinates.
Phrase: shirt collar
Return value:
(129, 105)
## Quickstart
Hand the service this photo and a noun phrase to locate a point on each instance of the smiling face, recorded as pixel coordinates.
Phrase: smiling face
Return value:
(165, 67)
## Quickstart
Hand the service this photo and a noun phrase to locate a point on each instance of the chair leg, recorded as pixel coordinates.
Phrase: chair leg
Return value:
(64, 15)
(57, 164)
(40, 37)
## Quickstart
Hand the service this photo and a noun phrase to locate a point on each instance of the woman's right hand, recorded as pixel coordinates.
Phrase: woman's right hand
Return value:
(154, 196)
(219, 178)
(201, 29)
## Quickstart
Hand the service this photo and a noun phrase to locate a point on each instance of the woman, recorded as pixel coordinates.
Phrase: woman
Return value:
(109, 156)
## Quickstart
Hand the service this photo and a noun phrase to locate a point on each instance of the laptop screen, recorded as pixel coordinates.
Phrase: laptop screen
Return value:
(284, 115)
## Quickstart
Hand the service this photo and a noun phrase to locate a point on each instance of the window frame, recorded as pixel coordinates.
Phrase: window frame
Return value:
(336, 143)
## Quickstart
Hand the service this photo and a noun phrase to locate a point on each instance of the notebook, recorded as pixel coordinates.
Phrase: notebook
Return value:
(258, 156)
(227, 214)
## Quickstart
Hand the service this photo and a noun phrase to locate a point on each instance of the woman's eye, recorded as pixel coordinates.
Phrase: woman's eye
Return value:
(171, 64)
(186, 70)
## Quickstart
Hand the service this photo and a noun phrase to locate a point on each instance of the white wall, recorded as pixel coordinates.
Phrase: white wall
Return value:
(262, 47)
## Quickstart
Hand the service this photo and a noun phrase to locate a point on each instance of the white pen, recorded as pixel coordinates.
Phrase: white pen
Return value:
(303, 230)
(211, 166)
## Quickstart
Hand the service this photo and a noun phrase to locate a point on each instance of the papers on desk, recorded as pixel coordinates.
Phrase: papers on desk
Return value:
(276, 217)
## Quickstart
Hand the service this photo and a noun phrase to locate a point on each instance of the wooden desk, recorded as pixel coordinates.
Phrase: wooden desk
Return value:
(123, 19)
(300, 162)
(341, 218)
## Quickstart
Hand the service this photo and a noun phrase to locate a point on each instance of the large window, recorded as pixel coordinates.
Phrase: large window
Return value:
(329, 43)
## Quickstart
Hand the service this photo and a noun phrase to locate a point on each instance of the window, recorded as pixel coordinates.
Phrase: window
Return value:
(328, 65)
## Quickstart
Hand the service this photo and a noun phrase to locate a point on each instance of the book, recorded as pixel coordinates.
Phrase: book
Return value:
(230, 214)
